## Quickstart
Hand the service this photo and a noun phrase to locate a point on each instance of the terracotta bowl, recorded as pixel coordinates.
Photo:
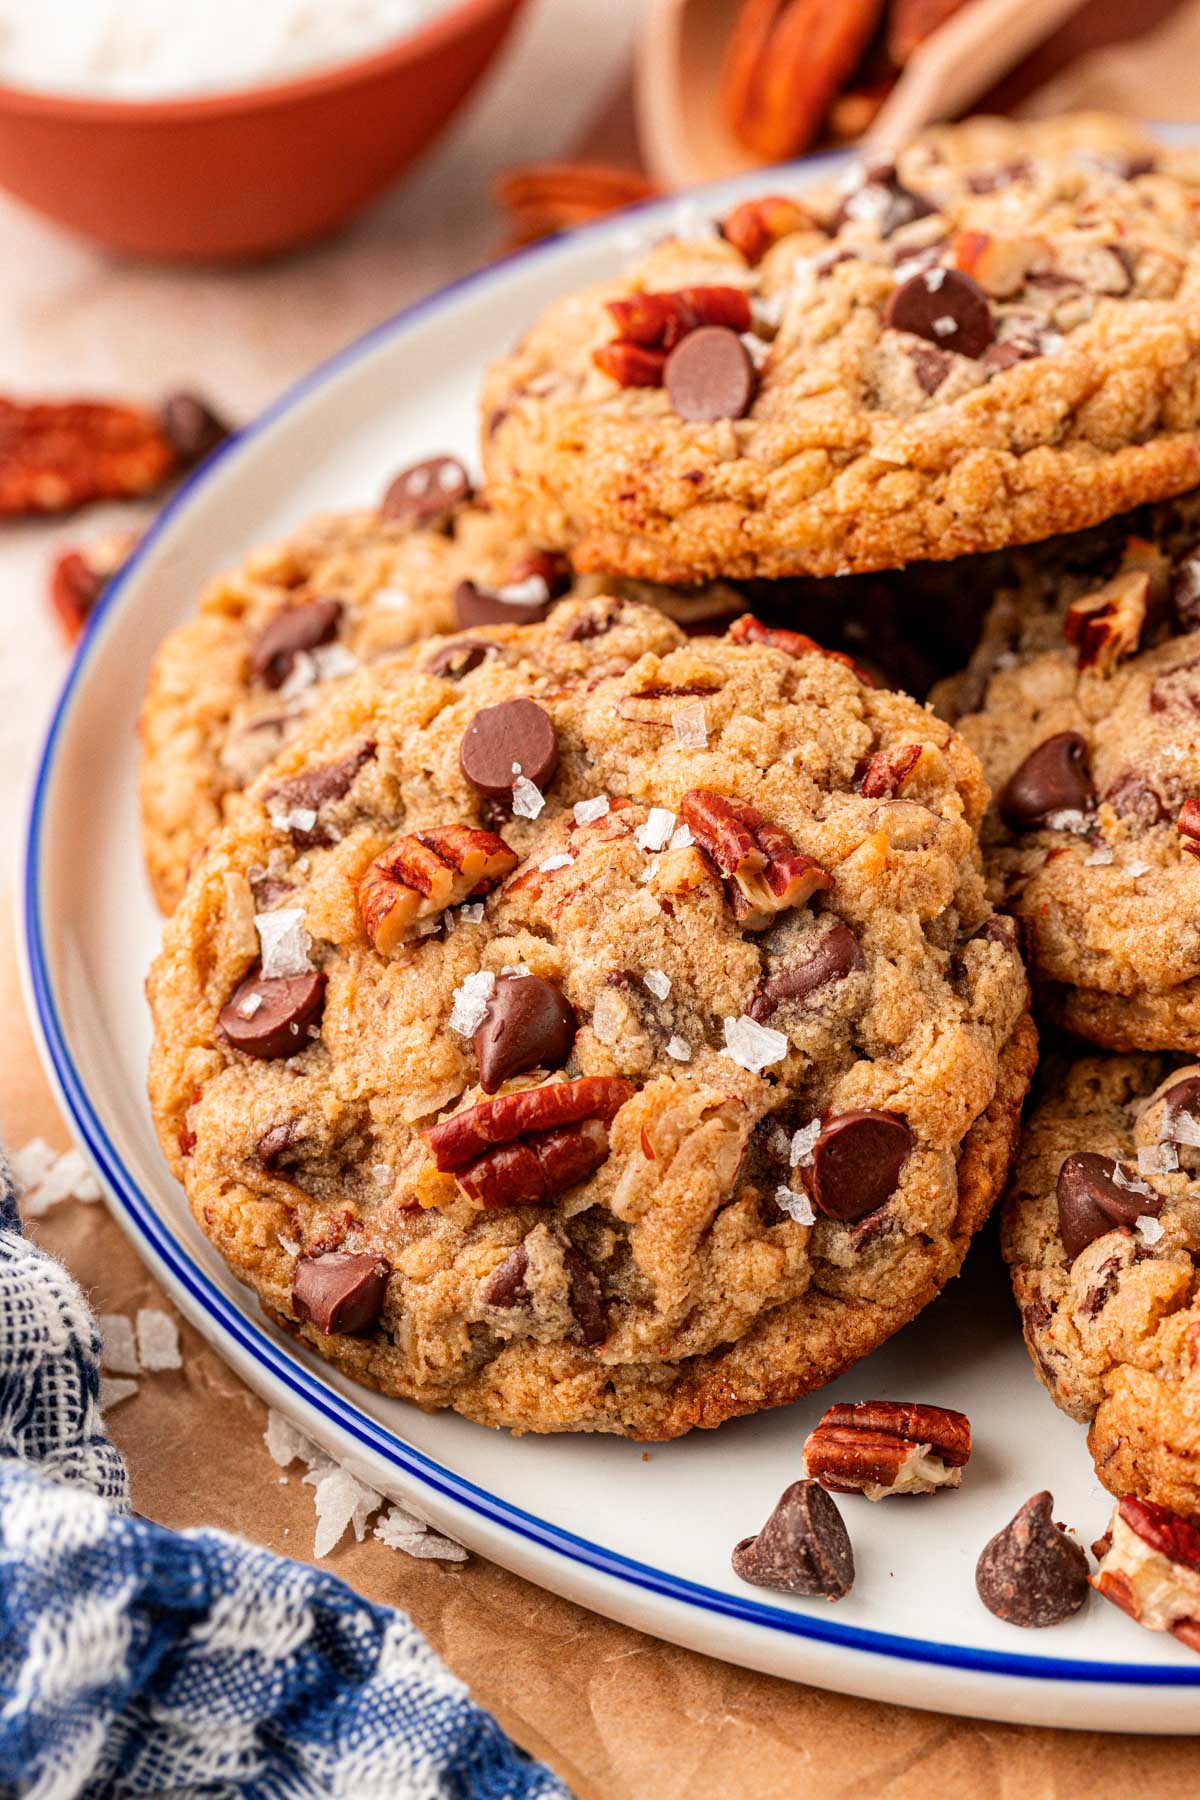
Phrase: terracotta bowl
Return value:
(251, 172)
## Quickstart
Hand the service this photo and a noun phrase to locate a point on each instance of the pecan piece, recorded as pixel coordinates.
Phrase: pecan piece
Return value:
(785, 63)
(423, 873)
(888, 770)
(756, 225)
(763, 872)
(1150, 1568)
(1188, 825)
(883, 1447)
(749, 630)
(57, 455)
(541, 199)
(631, 365)
(79, 577)
(1107, 626)
(999, 264)
(524, 1148)
(662, 320)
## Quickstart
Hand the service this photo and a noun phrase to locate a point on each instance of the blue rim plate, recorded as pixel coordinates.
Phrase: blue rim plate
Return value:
(356, 384)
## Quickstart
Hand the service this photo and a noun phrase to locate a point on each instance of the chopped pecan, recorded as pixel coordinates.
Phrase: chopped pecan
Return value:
(543, 198)
(999, 264)
(57, 455)
(756, 225)
(763, 872)
(1150, 1568)
(631, 365)
(1107, 625)
(1188, 824)
(425, 872)
(523, 1148)
(649, 326)
(749, 630)
(888, 770)
(786, 61)
(882, 1447)
(79, 577)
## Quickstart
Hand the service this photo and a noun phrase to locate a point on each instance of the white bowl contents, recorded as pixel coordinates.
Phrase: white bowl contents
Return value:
(161, 49)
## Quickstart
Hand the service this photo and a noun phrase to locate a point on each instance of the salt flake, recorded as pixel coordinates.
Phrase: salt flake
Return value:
(472, 913)
(800, 1153)
(534, 591)
(796, 1206)
(1157, 1159)
(338, 1496)
(112, 1392)
(679, 1049)
(1149, 1229)
(658, 983)
(285, 1444)
(690, 725)
(588, 811)
(285, 942)
(527, 800)
(158, 1340)
(50, 1178)
(471, 1002)
(752, 1046)
(561, 861)
(681, 839)
(118, 1353)
(656, 832)
(1131, 1185)
(1098, 856)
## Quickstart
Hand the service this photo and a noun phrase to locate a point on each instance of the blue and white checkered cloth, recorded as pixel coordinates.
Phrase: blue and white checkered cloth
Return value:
(136, 1660)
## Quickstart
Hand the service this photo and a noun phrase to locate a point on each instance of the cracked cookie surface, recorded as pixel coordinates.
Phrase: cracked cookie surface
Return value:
(627, 1044)
(992, 342)
(1101, 1231)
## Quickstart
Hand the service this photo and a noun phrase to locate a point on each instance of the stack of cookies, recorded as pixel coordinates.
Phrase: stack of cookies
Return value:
(596, 996)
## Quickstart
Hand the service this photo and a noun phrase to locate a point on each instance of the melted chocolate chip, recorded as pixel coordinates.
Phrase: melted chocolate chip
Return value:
(192, 428)
(426, 495)
(930, 366)
(594, 622)
(505, 1286)
(804, 1547)
(948, 308)
(1090, 1203)
(475, 606)
(882, 199)
(314, 788)
(529, 1024)
(833, 957)
(857, 1163)
(1053, 778)
(278, 1025)
(1184, 1096)
(340, 1292)
(458, 658)
(273, 1143)
(585, 1297)
(1132, 797)
(293, 629)
(709, 375)
(1032, 1573)
(517, 735)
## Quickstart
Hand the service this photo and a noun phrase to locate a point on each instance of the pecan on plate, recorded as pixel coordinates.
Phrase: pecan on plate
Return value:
(79, 577)
(785, 63)
(1107, 626)
(749, 630)
(756, 226)
(1150, 1568)
(423, 873)
(57, 455)
(1188, 826)
(883, 1447)
(763, 872)
(999, 263)
(524, 1148)
(650, 326)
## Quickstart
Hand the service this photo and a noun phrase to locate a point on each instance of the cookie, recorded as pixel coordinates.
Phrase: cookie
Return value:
(1102, 1232)
(603, 1030)
(1092, 751)
(948, 356)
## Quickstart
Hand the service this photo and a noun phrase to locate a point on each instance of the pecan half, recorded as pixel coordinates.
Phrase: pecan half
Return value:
(786, 61)
(1150, 1568)
(888, 770)
(1188, 825)
(1107, 625)
(57, 455)
(649, 326)
(524, 1148)
(425, 872)
(763, 872)
(79, 577)
(756, 225)
(749, 630)
(631, 365)
(883, 1447)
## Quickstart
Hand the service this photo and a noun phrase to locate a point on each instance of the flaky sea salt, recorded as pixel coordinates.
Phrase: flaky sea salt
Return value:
(285, 1444)
(533, 591)
(1131, 1184)
(752, 1046)
(248, 1005)
(1137, 868)
(946, 325)
(301, 675)
(118, 1352)
(1095, 858)
(561, 861)
(679, 1049)
(334, 662)
(340, 1500)
(50, 1178)
(588, 811)
(1181, 1127)
(285, 942)
(383, 1173)
(656, 832)
(296, 818)
(472, 914)
(527, 800)
(1157, 1159)
(658, 983)
(800, 1151)
(681, 839)
(689, 722)
(1068, 818)
(1149, 1228)
(935, 280)
(608, 1016)
(796, 1206)
(471, 1002)
(113, 1391)
(158, 1340)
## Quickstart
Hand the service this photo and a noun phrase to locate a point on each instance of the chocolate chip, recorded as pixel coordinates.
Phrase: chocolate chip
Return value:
(475, 606)
(882, 199)
(1032, 1573)
(930, 366)
(585, 1297)
(278, 1025)
(505, 1286)
(945, 306)
(458, 658)
(594, 621)
(1184, 1096)
(273, 1143)
(1090, 1203)
(293, 629)
(709, 375)
(500, 740)
(857, 1161)
(529, 1024)
(1132, 797)
(804, 1547)
(1053, 778)
(340, 1292)
(832, 958)
(426, 495)
(192, 428)
(314, 788)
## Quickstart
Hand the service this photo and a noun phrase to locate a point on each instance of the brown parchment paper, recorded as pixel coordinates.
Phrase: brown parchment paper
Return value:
(617, 1714)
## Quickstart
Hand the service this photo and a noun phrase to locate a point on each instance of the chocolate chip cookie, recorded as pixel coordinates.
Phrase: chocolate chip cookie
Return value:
(592, 1028)
(1102, 1232)
(945, 356)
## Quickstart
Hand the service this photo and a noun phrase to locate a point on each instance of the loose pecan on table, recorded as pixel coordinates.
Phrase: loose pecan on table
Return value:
(763, 872)
(524, 1148)
(79, 577)
(884, 1447)
(58, 455)
(649, 326)
(423, 873)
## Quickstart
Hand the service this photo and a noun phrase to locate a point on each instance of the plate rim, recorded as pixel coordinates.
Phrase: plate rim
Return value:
(234, 1324)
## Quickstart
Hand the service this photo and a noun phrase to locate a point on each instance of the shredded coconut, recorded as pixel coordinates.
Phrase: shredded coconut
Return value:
(114, 1390)
(1149, 1228)
(655, 833)
(527, 800)
(118, 1352)
(588, 811)
(658, 983)
(158, 1340)
(561, 861)
(796, 1206)
(679, 1049)
(285, 942)
(690, 725)
(471, 1002)
(803, 1142)
(752, 1046)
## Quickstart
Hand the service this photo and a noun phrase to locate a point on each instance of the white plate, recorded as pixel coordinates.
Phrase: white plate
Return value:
(643, 1538)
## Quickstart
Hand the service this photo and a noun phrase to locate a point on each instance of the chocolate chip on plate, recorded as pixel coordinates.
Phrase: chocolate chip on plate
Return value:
(475, 606)
(273, 1143)
(192, 428)
(1090, 1202)
(269, 1017)
(881, 199)
(317, 787)
(944, 306)
(426, 495)
(804, 1547)
(709, 375)
(505, 1286)
(833, 957)
(529, 1024)
(1032, 1573)
(339, 1291)
(585, 1297)
(1054, 778)
(502, 743)
(857, 1163)
(458, 658)
(290, 631)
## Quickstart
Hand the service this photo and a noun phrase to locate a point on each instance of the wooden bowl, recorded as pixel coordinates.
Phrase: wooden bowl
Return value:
(247, 173)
